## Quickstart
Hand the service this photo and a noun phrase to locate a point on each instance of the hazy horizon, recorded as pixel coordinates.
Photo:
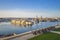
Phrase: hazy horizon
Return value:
(29, 8)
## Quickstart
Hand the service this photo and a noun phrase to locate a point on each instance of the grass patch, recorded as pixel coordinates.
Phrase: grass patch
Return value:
(57, 29)
(47, 36)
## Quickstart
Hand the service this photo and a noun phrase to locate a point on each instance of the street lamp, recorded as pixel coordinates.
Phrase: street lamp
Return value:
(41, 21)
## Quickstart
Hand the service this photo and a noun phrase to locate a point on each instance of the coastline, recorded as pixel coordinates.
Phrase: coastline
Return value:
(23, 34)
(19, 35)
(4, 23)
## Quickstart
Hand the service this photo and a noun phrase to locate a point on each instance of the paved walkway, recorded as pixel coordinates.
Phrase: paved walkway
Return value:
(57, 26)
(55, 32)
(25, 37)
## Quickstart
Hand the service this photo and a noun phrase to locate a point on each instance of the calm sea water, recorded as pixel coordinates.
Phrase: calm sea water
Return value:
(7, 28)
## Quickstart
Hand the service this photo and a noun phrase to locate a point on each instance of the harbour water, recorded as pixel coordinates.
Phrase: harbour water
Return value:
(7, 28)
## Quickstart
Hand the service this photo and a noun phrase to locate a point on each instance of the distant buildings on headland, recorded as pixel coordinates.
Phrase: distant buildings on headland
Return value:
(37, 19)
(28, 21)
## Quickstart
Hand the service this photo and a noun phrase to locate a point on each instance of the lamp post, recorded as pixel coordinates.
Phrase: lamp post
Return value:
(41, 21)
(57, 21)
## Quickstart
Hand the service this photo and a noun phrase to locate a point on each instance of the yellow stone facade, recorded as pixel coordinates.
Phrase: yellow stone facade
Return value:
(20, 22)
(13, 21)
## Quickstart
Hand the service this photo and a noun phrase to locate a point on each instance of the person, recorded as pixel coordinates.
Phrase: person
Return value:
(47, 30)
(14, 34)
(53, 28)
(43, 30)
(39, 32)
(34, 32)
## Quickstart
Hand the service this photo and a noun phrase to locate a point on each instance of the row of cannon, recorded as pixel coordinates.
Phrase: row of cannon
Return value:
(41, 31)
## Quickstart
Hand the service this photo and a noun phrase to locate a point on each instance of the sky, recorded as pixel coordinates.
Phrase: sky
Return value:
(29, 8)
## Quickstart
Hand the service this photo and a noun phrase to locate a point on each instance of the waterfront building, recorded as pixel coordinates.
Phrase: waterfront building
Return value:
(18, 22)
(28, 23)
(36, 20)
(13, 21)
(22, 22)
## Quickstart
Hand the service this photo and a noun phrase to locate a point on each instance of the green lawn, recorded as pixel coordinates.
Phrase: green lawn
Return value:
(47, 36)
(57, 29)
